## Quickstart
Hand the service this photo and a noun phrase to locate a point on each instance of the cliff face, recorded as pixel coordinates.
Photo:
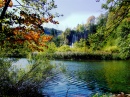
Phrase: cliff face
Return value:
(73, 37)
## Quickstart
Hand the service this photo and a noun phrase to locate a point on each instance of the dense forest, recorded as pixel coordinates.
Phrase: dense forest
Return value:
(107, 33)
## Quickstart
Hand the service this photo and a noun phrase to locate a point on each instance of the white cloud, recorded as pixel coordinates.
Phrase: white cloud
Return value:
(71, 21)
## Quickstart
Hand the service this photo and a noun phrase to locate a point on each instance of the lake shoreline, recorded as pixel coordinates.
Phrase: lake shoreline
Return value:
(77, 56)
(86, 56)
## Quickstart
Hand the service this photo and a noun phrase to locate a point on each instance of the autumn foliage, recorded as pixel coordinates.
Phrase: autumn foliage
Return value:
(34, 38)
(2, 3)
(30, 28)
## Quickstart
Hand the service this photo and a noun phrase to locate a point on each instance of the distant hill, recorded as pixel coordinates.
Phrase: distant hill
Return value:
(52, 31)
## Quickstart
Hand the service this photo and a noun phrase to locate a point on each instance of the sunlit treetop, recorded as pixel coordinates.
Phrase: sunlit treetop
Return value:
(118, 11)
(91, 20)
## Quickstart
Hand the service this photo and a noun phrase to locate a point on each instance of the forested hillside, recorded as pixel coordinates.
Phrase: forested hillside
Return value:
(109, 32)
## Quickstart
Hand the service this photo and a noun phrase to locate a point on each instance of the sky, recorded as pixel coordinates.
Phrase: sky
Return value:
(75, 12)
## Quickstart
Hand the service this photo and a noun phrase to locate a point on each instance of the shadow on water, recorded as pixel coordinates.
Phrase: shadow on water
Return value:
(83, 79)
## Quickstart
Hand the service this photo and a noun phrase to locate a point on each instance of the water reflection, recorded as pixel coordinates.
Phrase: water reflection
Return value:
(86, 78)
(117, 75)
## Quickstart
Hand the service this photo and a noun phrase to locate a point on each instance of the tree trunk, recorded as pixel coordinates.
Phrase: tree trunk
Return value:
(3, 13)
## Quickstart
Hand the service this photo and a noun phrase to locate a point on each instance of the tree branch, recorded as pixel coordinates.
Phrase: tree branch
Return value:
(3, 13)
(5, 9)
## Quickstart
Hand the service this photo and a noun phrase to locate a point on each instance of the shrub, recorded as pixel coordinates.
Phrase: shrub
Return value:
(83, 55)
(112, 49)
(63, 48)
(24, 82)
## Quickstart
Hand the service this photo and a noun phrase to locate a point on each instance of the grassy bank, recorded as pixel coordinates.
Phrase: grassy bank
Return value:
(86, 56)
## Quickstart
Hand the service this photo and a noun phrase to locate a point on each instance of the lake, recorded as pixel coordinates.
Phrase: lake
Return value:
(85, 78)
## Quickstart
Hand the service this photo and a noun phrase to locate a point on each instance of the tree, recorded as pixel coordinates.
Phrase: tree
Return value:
(90, 25)
(29, 21)
(91, 20)
(80, 28)
(80, 44)
(101, 20)
(21, 29)
(118, 11)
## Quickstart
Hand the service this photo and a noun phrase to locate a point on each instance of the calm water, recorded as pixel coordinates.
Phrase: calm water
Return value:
(84, 78)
